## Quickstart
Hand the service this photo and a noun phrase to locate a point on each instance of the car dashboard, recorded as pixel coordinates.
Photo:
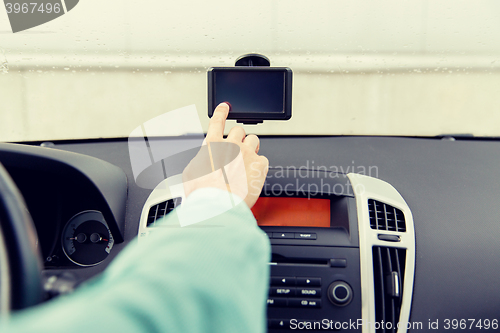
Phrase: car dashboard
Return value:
(406, 230)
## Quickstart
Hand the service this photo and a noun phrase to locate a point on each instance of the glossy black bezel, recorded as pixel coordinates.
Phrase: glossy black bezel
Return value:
(253, 116)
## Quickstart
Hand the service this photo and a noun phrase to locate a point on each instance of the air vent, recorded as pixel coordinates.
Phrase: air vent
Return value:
(388, 276)
(158, 211)
(385, 217)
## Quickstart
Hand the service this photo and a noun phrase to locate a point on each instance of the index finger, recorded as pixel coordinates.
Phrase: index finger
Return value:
(217, 122)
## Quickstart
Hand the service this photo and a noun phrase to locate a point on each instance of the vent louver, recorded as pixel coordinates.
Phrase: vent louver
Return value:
(385, 217)
(388, 276)
(158, 211)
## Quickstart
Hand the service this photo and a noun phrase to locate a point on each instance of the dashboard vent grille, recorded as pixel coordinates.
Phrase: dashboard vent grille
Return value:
(385, 217)
(388, 275)
(161, 209)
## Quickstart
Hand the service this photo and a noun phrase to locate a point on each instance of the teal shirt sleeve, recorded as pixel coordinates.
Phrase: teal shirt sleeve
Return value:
(211, 276)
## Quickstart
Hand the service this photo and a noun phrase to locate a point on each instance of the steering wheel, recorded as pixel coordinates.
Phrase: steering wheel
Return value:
(20, 258)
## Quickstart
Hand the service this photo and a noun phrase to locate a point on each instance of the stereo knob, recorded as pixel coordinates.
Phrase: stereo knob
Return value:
(340, 293)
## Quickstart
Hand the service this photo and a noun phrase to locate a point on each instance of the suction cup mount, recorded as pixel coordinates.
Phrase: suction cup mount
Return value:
(253, 59)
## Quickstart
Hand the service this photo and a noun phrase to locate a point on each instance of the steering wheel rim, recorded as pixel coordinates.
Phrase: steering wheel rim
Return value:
(24, 260)
(4, 278)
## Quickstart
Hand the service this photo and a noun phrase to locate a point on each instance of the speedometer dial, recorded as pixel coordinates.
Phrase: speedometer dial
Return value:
(86, 239)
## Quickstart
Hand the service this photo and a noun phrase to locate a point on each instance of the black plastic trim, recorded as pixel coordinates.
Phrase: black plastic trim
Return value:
(108, 181)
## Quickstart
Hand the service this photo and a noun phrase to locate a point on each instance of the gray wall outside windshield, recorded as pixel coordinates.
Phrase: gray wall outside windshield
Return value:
(360, 67)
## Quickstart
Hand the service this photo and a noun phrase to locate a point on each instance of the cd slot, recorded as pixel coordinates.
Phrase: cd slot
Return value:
(277, 259)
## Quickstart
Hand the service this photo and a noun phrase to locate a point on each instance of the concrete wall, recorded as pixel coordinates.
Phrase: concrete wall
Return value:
(66, 104)
(387, 67)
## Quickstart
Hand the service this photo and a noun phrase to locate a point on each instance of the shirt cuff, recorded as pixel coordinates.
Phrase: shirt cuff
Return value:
(206, 203)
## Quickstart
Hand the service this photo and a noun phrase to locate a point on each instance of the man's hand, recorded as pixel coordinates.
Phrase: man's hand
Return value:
(231, 164)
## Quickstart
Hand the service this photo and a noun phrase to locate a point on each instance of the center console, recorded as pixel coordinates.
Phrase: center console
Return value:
(343, 250)
(311, 221)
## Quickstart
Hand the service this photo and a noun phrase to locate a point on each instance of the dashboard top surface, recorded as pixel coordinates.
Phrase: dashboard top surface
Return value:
(450, 186)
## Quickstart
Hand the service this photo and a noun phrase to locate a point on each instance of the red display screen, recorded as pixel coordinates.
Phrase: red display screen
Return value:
(292, 212)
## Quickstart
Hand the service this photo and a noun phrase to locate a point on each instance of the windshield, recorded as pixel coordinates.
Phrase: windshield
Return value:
(101, 68)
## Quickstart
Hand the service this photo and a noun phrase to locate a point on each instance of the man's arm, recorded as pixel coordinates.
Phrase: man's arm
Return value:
(211, 276)
(208, 277)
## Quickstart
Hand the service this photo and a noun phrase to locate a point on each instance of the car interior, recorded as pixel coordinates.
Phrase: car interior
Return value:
(380, 204)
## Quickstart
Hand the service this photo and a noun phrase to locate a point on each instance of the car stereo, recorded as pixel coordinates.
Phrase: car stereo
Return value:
(343, 250)
(311, 222)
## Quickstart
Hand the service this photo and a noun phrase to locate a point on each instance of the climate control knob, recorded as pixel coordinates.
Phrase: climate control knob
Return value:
(340, 293)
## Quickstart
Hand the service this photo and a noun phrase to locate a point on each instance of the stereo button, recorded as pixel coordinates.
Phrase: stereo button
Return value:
(338, 263)
(278, 323)
(282, 281)
(276, 302)
(309, 292)
(283, 235)
(340, 293)
(304, 303)
(300, 235)
(282, 291)
(305, 281)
